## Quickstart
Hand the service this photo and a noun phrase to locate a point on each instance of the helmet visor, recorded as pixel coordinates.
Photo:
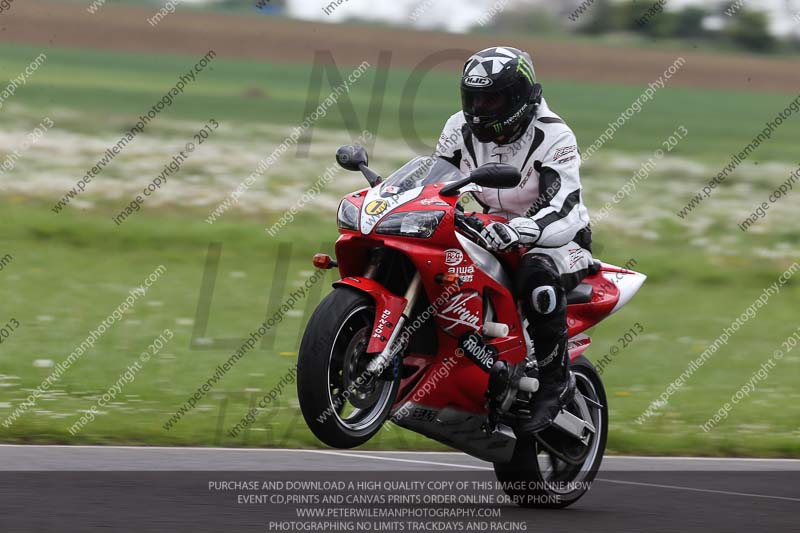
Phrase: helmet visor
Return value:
(483, 104)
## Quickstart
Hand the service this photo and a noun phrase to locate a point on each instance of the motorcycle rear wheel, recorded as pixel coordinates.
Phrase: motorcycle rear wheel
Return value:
(341, 411)
(538, 478)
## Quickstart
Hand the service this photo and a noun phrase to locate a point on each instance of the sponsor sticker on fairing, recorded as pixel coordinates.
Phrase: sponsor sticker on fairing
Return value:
(383, 323)
(433, 201)
(462, 311)
(453, 256)
(465, 273)
(483, 355)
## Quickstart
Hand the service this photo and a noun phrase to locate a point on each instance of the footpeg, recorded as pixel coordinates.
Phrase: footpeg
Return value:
(505, 382)
(495, 329)
(529, 384)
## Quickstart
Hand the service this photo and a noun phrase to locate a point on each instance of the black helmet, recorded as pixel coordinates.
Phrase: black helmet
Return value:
(499, 94)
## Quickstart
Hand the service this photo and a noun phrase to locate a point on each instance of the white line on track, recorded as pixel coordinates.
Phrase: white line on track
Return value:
(693, 489)
(653, 485)
(382, 456)
(375, 452)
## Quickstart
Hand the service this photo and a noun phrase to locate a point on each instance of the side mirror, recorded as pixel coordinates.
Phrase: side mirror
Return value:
(351, 157)
(354, 157)
(496, 176)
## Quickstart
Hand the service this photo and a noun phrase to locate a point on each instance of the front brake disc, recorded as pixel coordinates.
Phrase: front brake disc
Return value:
(361, 386)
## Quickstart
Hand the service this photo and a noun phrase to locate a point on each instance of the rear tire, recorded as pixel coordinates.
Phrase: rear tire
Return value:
(331, 359)
(539, 479)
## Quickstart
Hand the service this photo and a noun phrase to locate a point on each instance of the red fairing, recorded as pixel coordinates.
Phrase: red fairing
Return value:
(581, 317)
(388, 308)
(450, 378)
(577, 346)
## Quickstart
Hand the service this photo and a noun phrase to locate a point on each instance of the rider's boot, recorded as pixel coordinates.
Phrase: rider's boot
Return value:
(548, 329)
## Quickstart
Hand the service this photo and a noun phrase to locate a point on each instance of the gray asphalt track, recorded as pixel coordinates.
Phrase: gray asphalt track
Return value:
(65, 488)
(116, 458)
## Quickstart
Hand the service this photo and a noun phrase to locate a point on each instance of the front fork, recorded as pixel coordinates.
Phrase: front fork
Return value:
(393, 347)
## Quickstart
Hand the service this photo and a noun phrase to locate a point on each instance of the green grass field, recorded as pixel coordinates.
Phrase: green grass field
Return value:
(101, 83)
(69, 271)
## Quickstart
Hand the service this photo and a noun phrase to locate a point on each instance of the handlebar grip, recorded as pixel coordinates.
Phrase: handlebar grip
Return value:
(474, 222)
(472, 226)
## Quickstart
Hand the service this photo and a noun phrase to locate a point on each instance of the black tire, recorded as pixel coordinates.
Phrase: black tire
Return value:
(531, 485)
(327, 365)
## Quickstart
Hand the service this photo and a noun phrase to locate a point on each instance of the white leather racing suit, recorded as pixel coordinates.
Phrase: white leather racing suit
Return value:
(546, 208)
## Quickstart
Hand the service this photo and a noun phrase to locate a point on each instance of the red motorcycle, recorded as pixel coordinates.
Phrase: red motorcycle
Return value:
(423, 329)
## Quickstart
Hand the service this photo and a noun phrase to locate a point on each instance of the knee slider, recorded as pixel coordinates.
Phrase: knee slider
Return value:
(544, 300)
(540, 284)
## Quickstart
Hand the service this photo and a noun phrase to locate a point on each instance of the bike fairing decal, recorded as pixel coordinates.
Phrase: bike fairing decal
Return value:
(453, 257)
(483, 355)
(369, 220)
(458, 311)
(376, 207)
(383, 323)
(433, 201)
(465, 273)
(424, 414)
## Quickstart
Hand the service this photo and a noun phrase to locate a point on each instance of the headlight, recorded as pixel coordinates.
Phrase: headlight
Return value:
(347, 217)
(412, 224)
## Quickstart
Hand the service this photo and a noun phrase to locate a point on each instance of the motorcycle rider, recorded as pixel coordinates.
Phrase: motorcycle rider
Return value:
(505, 119)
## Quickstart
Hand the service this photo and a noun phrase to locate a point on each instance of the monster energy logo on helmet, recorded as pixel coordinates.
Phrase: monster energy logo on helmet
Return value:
(524, 68)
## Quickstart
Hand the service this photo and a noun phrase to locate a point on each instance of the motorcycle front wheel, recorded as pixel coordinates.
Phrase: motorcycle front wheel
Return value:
(554, 470)
(342, 403)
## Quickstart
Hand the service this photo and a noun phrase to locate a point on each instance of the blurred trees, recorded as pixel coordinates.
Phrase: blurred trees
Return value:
(601, 18)
(268, 5)
(749, 29)
(745, 29)
(536, 21)
(689, 23)
(653, 19)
